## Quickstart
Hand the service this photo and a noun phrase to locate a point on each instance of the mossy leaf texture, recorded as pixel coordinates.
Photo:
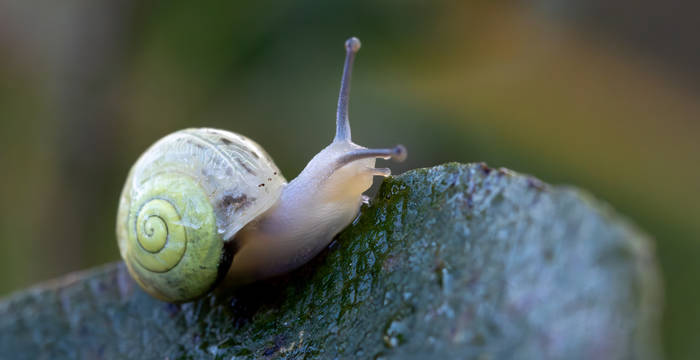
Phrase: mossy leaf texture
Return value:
(451, 262)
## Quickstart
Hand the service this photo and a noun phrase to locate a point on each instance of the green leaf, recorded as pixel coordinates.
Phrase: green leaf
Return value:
(455, 261)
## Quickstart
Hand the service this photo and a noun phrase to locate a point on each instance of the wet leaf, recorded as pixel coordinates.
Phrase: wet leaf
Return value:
(455, 261)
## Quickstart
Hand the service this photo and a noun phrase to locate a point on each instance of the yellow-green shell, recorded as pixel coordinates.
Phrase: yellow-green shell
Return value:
(183, 200)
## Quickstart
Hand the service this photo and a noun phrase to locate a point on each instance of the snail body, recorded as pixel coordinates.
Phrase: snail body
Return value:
(206, 208)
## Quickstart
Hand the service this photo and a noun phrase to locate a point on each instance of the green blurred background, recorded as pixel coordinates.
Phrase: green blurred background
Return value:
(600, 94)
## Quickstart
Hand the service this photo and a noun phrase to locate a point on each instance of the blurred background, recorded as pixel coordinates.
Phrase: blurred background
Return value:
(603, 95)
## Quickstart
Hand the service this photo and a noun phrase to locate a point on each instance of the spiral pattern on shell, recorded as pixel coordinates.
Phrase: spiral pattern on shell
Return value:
(160, 236)
(169, 239)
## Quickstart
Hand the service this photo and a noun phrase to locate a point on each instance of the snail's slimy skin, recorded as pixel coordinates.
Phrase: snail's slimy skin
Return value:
(312, 209)
(207, 208)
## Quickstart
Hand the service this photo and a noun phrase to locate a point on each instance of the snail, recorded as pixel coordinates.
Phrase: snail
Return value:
(204, 209)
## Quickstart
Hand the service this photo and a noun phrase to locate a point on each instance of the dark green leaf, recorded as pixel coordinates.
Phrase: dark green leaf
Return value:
(455, 261)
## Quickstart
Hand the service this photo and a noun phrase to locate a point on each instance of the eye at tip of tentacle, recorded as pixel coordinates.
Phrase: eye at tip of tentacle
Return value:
(353, 44)
(399, 153)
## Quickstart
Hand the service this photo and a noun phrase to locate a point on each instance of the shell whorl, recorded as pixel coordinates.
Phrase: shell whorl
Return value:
(161, 239)
(183, 200)
(168, 237)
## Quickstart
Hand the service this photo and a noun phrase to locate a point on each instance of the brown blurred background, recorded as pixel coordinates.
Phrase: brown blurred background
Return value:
(604, 95)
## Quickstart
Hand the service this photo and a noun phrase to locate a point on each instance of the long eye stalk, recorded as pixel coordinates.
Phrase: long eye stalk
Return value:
(397, 153)
(342, 130)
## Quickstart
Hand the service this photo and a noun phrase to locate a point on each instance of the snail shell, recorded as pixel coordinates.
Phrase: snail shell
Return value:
(183, 201)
